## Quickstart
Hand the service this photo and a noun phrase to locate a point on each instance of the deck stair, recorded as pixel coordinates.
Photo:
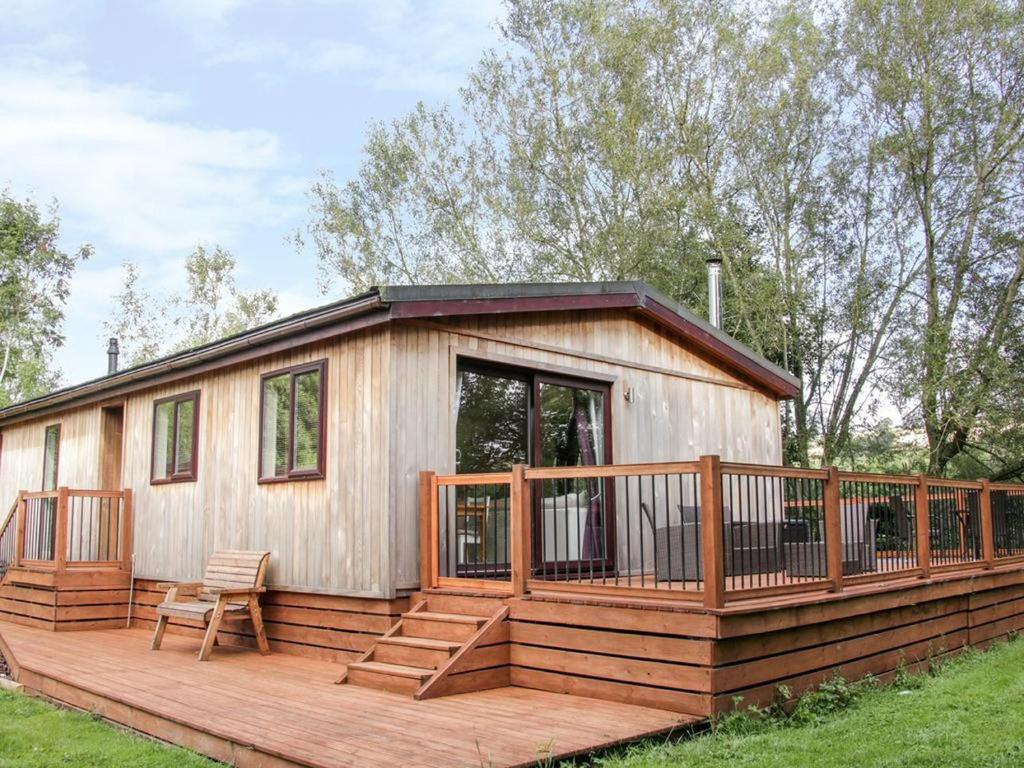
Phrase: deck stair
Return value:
(430, 651)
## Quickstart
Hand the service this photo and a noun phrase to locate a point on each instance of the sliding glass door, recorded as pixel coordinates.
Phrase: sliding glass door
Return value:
(491, 434)
(506, 416)
(572, 517)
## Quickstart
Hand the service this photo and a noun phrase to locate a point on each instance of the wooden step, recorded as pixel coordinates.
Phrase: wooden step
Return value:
(471, 604)
(414, 651)
(456, 627)
(396, 678)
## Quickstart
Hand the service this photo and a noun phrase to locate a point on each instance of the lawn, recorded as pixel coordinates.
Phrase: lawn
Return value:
(969, 713)
(34, 734)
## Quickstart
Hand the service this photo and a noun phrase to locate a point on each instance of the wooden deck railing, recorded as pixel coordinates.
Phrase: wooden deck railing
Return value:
(707, 530)
(8, 529)
(69, 529)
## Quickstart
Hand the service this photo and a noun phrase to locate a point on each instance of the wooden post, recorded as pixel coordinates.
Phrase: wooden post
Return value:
(988, 536)
(60, 534)
(127, 529)
(834, 529)
(19, 540)
(713, 541)
(924, 525)
(519, 494)
(428, 522)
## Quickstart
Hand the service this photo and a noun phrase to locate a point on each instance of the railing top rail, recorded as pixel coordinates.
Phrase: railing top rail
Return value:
(10, 516)
(476, 478)
(612, 470)
(95, 494)
(39, 494)
(942, 482)
(766, 470)
(1012, 487)
(872, 477)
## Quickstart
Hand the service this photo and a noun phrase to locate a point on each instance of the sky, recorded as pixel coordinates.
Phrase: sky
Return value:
(163, 124)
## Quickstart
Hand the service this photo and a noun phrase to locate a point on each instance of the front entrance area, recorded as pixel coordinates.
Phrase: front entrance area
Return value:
(506, 416)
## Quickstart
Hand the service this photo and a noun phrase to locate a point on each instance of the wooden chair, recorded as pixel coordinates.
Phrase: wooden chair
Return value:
(230, 590)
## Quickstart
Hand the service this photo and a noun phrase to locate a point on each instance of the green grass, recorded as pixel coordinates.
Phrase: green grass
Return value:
(967, 714)
(34, 734)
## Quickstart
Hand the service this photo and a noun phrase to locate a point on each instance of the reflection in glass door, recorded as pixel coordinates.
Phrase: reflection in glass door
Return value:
(506, 416)
(572, 518)
(491, 434)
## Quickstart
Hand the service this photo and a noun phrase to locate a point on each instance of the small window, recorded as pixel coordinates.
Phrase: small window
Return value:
(292, 423)
(175, 438)
(51, 456)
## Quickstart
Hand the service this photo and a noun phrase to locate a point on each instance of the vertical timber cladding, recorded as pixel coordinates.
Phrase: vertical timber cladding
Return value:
(683, 405)
(21, 460)
(329, 627)
(326, 535)
(694, 662)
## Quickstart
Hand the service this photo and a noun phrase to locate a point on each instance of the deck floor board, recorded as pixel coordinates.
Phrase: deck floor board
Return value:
(288, 706)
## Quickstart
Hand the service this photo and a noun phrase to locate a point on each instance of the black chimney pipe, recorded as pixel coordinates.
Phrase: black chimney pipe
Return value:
(112, 352)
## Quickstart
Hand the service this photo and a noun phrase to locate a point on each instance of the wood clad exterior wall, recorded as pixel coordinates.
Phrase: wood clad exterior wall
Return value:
(389, 416)
(21, 457)
(328, 534)
(675, 415)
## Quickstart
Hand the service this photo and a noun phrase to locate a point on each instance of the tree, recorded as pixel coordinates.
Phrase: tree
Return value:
(947, 81)
(211, 307)
(35, 277)
(624, 140)
(577, 164)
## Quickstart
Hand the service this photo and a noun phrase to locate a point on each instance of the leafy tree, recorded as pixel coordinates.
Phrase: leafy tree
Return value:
(35, 277)
(947, 82)
(854, 166)
(211, 307)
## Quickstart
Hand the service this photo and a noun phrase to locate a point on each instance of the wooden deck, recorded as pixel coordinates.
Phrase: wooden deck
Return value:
(285, 710)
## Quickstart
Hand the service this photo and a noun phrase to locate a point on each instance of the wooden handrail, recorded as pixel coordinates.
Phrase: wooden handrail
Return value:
(475, 478)
(766, 470)
(27, 495)
(613, 470)
(944, 482)
(62, 531)
(708, 475)
(10, 516)
(871, 477)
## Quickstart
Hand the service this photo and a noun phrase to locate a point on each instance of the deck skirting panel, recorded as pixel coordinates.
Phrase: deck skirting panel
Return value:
(704, 664)
(66, 607)
(326, 627)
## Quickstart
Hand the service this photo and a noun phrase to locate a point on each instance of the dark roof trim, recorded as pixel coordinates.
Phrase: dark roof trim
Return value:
(381, 305)
(442, 301)
(303, 328)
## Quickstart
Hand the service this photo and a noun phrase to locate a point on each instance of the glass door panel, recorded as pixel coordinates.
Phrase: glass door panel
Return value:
(491, 434)
(573, 514)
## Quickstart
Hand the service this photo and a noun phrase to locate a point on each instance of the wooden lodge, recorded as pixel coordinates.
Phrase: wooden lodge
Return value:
(511, 497)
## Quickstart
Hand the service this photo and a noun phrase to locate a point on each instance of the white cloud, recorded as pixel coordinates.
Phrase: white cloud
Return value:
(418, 47)
(29, 13)
(120, 161)
(201, 11)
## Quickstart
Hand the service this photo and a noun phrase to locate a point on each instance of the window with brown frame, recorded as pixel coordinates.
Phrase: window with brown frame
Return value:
(292, 423)
(175, 438)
